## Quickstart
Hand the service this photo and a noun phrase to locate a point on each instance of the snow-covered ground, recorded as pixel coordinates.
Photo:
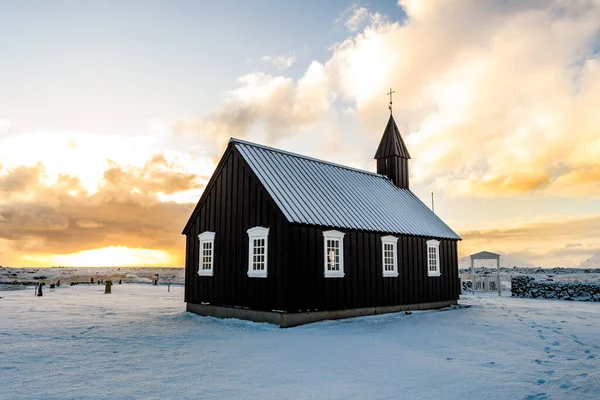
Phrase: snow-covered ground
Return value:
(83, 274)
(138, 343)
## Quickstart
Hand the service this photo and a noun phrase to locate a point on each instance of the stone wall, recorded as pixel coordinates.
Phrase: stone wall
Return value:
(527, 287)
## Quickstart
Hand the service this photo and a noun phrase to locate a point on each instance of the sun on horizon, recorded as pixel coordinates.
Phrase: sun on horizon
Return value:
(110, 256)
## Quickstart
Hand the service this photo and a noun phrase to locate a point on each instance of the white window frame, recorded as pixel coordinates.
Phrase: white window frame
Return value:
(339, 237)
(393, 241)
(433, 244)
(257, 233)
(206, 237)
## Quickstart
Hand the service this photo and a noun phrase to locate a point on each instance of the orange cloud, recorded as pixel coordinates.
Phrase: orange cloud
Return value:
(48, 219)
(21, 178)
(555, 242)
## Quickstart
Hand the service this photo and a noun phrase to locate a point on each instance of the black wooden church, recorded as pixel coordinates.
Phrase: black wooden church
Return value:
(288, 239)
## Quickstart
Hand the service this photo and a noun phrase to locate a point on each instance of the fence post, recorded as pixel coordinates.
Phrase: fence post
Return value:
(473, 274)
(107, 287)
(498, 265)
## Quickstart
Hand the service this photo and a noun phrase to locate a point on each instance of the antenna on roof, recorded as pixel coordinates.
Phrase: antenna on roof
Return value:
(432, 205)
(390, 94)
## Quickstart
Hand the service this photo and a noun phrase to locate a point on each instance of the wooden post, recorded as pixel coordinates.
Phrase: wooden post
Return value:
(498, 265)
(39, 291)
(169, 286)
(473, 274)
(107, 287)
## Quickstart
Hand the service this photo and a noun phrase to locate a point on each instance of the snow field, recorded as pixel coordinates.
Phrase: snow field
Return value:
(138, 343)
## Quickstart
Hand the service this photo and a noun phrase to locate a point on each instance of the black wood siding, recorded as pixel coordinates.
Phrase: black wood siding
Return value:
(395, 168)
(363, 284)
(233, 202)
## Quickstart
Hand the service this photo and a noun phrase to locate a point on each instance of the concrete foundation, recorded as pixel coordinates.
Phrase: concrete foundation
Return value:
(287, 320)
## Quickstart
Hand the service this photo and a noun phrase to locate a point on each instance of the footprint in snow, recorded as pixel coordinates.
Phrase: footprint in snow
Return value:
(564, 386)
(541, 381)
(551, 356)
(584, 374)
(550, 372)
(538, 362)
(537, 396)
(547, 349)
(555, 343)
(591, 357)
(587, 351)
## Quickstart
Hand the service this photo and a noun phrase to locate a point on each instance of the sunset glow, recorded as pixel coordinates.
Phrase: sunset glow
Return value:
(111, 127)
(112, 256)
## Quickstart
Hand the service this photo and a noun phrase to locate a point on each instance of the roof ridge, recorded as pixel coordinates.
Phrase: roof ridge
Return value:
(289, 153)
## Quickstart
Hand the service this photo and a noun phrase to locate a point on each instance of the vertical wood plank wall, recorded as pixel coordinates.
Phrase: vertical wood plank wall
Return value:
(233, 204)
(395, 168)
(236, 201)
(363, 284)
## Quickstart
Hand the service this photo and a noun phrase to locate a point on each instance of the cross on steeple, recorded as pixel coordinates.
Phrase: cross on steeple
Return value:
(390, 94)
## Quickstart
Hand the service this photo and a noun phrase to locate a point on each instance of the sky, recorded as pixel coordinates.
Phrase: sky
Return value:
(113, 115)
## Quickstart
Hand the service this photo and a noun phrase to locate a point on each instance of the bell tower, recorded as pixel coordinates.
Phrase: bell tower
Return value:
(392, 156)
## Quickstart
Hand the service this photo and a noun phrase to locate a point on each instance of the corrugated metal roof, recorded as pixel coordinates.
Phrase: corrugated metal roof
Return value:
(316, 192)
(391, 143)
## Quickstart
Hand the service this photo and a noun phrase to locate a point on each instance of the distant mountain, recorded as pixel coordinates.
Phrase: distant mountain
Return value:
(592, 262)
(506, 261)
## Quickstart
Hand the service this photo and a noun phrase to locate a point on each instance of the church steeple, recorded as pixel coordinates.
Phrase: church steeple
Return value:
(392, 156)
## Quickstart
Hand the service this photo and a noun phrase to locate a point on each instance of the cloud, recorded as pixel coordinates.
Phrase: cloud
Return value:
(359, 15)
(4, 125)
(356, 17)
(556, 241)
(280, 61)
(487, 106)
(59, 216)
(87, 223)
(156, 176)
(20, 179)
(279, 105)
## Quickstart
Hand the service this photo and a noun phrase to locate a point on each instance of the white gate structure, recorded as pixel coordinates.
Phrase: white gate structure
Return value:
(486, 282)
